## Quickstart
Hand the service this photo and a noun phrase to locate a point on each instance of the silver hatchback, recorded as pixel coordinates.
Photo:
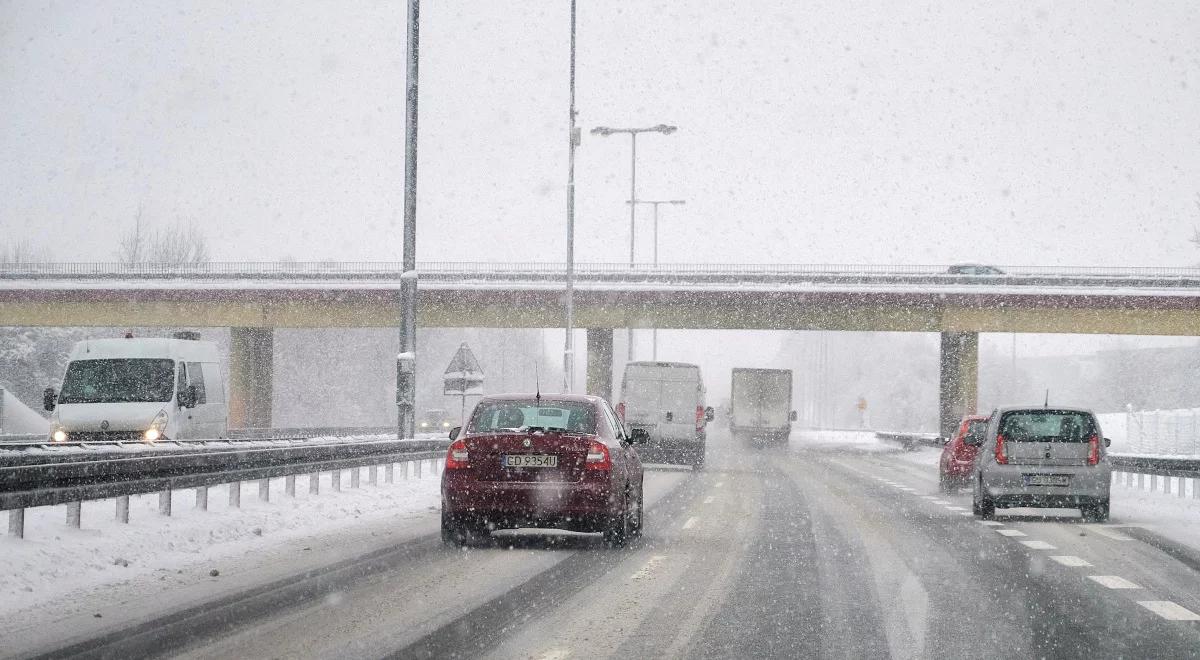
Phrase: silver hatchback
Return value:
(1043, 457)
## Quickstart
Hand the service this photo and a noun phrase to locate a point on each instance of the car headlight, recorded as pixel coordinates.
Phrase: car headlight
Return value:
(424, 425)
(158, 427)
(445, 425)
(57, 432)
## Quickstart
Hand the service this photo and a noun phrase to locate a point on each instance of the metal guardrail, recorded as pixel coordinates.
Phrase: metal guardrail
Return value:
(107, 476)
(235, 435)
(1163, 466)
(910, 441)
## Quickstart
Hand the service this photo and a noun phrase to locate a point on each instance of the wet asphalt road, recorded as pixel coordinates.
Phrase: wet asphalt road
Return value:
(788, 552)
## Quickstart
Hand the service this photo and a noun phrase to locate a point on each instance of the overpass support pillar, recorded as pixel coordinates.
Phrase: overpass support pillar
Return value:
(251, 376)
(959, 379)
(600, 362)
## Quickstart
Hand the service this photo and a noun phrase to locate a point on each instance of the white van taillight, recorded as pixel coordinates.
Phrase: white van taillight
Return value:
(1001, 455)
(699, 418)
(1093, 450)
(597, 457)
(621, 411)
(456, 456)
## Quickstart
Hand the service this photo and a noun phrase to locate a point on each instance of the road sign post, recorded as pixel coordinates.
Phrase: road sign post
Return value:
(463, 378)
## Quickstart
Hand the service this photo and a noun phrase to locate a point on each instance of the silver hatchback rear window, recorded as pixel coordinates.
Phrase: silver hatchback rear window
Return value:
(1047, 426)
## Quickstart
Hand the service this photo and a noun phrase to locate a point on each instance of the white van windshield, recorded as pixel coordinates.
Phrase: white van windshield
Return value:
(118, 381)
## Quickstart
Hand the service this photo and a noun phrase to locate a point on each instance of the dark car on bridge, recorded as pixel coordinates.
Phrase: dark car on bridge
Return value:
(958, 454)
(542, 461)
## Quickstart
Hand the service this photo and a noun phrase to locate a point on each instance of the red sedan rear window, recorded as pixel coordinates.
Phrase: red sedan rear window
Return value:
(493, 416)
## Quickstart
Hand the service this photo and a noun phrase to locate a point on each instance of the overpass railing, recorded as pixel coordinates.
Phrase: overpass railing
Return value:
(384, 269)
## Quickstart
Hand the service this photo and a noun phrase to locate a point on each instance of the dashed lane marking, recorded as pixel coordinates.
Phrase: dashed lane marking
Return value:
(1010, 532)
(990, 523)
(955, 508)
(929, 497)
(965, 513)
(555, 654)
(1113, 581)
(709, 499)
(941, 502)
(1169, 610)
(1104, 531)
(691, 522)
(720, 484)
(1038, 545)
(646, 570)
(1070, 560)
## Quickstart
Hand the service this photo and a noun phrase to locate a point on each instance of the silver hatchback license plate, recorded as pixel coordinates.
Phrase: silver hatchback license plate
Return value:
(1047, 480)
(530, 461)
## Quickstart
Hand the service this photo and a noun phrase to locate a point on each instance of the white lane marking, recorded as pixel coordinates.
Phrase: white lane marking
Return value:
(989, 523)
(955, 508)
(1070, 560)
(691, 522)
(719, 484)
(929, 497)
(555, 654)
(709, 499)
(1038, 545)
(1113, 581)
(1104, 531)
(645, 570)
(907, 489)
(941, 502)
(965, 513)
(1169, 611)
(1010, 532)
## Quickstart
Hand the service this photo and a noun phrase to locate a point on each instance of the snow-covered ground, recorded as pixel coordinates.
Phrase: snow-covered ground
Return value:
(67, 570)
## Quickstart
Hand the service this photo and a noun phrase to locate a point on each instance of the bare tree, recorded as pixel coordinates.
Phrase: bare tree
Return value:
(180, 242)
(133, 243)
(21, 252)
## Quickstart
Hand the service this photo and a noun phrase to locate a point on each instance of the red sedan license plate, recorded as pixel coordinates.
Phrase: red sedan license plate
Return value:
(530, 461)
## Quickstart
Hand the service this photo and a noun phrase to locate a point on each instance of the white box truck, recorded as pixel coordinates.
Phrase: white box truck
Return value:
(666, 399)
(761, 406)
(140, 389)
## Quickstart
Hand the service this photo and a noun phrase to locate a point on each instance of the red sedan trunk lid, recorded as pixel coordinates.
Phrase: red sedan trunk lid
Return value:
(488, 451)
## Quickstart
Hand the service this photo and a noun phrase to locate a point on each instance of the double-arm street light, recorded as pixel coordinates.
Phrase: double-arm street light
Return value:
(655, 203)
(605, 131)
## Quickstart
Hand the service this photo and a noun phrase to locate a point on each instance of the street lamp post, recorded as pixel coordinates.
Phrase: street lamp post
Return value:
(572, 142)
(655, 203)
(605, 131)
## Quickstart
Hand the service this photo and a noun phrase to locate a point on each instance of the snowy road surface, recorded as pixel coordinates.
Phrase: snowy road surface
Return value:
(835, 548)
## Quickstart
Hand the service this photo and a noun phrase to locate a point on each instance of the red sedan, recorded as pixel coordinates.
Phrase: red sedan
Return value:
(549, 461)
(958, 456)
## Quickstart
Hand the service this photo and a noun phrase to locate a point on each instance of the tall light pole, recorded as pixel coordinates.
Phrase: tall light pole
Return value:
(406, 372)
(655, 203)
(572, 142)
(605, 131)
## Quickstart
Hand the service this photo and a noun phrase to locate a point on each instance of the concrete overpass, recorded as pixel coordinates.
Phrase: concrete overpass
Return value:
(254, 298)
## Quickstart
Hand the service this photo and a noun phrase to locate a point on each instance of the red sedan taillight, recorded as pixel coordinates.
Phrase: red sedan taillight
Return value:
(621, 411)
(699, 418)
(456, 456)
(1001, 456)
(597, 457)
(1093, 450)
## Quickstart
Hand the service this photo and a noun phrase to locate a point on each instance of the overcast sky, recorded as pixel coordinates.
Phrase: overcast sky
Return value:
(1010, 133)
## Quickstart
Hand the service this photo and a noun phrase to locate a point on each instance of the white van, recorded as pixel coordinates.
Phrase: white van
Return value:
(667, 400)
(142, 389)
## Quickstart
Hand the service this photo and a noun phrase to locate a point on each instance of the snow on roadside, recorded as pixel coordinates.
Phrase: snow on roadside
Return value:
(1166, 514)
(55, 565)
(856, 440)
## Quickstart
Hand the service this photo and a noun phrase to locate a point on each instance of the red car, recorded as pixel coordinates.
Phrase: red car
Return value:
(553, 460)
(958, 456)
